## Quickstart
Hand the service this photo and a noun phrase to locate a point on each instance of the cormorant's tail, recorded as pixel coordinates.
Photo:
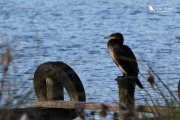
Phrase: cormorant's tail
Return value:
(139, 83)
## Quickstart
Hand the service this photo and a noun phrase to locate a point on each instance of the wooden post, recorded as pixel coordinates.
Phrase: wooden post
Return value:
(126, 96)
(54, 90)
(179, 89)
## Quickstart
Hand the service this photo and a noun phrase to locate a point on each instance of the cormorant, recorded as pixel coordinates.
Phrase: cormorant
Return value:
(123, 56)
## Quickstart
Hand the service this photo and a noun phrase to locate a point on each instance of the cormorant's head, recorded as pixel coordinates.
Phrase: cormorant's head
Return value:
(116, 36)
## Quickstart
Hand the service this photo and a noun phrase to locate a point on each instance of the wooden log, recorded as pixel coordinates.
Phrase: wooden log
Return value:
(126, 87)
(96, 106)
(73, 105)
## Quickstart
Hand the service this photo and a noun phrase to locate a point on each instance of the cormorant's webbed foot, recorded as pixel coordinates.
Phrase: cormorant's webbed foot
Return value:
(124, 75)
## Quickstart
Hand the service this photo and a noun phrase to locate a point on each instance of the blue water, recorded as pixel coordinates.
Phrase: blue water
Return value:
(72, 31)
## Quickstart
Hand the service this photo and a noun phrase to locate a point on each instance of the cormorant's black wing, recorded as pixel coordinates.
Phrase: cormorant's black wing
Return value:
(125, 58)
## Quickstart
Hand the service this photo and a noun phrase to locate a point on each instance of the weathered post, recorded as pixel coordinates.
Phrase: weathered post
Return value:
(126, 87)
(54, 90)
(179, 89)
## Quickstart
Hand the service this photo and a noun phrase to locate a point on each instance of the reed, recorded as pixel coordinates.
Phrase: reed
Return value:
(172, 113)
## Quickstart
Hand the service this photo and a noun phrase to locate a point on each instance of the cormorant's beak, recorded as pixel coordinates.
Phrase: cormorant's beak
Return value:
(107, 37)
(110, 37)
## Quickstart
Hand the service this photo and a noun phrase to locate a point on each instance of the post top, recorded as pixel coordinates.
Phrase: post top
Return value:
(124, 77)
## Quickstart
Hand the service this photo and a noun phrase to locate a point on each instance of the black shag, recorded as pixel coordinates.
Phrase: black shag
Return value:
(123, 56)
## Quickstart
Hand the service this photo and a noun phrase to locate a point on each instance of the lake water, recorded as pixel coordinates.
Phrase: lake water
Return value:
(72, 31)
